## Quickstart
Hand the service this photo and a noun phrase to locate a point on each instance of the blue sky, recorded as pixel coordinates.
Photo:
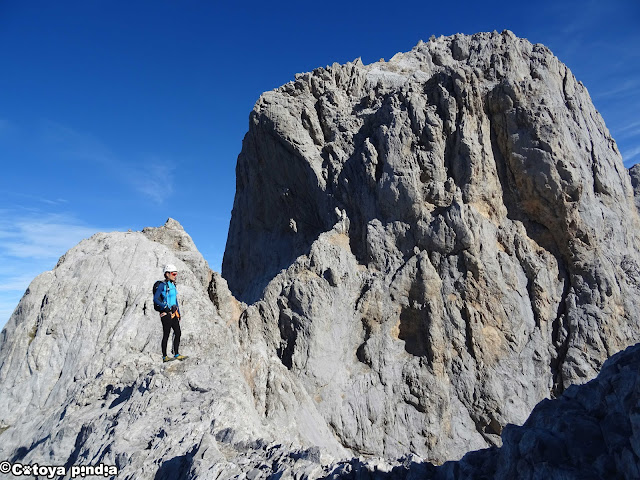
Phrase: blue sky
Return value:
(116, 115)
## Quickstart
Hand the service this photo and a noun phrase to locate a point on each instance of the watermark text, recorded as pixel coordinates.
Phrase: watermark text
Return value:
(53, 471)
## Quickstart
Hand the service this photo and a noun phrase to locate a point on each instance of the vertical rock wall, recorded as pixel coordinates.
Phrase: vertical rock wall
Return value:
(459, 238)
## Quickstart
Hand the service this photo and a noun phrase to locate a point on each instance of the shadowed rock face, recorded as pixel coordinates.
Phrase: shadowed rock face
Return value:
(634, 172)
(458, 238)
(429, 247)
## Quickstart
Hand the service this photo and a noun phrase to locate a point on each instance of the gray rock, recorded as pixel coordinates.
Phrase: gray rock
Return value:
(589, 432)
(634, 172)
(82, 378)
(436, 243)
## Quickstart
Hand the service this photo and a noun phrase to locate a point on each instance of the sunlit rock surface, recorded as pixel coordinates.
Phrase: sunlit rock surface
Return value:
(453, 238)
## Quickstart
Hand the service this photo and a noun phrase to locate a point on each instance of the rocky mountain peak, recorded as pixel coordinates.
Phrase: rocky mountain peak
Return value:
(173, 236)
(395, 141)
(422, 250)
(441, 220)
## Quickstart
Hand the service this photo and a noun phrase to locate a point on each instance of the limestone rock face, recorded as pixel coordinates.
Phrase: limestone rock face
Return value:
(634, 172)
(589, 432)
(82, 379)
(434, 244)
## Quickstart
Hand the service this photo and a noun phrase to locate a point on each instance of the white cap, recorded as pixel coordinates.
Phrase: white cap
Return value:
(170, 268)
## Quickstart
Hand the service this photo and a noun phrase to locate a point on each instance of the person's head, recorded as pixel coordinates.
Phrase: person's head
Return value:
(170, 272)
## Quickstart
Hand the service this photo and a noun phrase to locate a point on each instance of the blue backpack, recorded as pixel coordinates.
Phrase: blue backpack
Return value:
(156, 307)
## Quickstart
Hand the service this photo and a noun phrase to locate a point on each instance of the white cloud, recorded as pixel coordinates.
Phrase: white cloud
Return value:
(12, 289)
(37, 199)
(18, 283)
(8, 303)
(31, 243)
(153, 179)
(44, 237)
(626, 89)
(629, 130)
(628, 156)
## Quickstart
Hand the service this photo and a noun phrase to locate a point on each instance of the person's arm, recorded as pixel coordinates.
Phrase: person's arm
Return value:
(176, 307)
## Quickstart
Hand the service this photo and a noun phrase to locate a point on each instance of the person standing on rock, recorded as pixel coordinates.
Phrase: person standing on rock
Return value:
(165, 299)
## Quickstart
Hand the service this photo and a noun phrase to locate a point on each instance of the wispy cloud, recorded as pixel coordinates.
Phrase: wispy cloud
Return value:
(569, 36)
(71, 142)
(18, 283)
(629, 130)
(52, 202)
(630, 156)
(31, 242)
(581, 23)
(154, 180)
(627, 88)
(44, 237)
(12, 289)
(151, 177)
(8, 303)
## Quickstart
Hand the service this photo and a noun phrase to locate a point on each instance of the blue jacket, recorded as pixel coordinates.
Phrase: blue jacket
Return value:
(167, 296)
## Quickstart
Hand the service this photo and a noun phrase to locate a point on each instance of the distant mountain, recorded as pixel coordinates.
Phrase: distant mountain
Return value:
(420, 251)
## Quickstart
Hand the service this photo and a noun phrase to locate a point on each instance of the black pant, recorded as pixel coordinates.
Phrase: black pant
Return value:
(169, 323)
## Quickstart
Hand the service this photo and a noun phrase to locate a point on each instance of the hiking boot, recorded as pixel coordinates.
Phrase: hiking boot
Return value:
(166, 358)
(177, 356)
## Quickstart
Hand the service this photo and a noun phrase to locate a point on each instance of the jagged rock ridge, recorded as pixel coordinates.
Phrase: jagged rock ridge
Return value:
(82, 380)
(634, 172)
(438, 243)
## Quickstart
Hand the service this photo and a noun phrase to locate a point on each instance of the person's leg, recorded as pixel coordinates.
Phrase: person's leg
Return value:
(166, 330)
(176, 335)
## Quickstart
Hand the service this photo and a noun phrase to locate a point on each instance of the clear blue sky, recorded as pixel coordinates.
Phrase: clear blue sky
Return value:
(115, 115)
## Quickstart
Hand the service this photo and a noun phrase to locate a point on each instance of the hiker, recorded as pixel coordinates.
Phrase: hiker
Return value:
(165, 300)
